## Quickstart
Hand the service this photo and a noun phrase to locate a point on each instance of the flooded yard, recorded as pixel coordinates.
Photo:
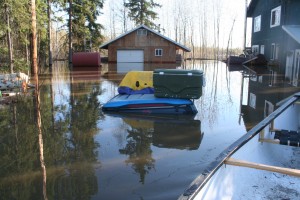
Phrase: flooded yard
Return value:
(94, 155)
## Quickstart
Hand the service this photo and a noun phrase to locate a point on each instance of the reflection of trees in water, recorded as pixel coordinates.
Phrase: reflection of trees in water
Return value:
(84, 116)
(38, 121)
(21, 151)
(69, 150)
(161, 131)
(138, 148)
(17, 138)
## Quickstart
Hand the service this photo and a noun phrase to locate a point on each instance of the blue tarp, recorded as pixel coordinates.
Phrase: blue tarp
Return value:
(128, 90)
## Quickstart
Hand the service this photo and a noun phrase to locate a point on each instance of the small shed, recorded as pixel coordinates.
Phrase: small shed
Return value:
(143, 45)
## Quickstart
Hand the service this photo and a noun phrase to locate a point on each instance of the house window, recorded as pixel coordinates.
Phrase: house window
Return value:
(141, 32)
(274, 51)
(275, 16)
(277, 51)
(158, 52)
(252, 100)
(257, 22)
(271, 78)
(255, 49)
(262, 49)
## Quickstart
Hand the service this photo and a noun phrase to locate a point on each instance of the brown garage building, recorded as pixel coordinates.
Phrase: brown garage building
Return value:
(143, 45)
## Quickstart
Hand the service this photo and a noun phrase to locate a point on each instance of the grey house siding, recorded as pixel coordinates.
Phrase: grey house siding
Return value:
(267, 35)
(290, 15)
(292, 12)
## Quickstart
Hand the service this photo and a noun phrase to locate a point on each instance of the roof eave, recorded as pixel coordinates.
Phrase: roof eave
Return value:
(105, 45)
(251, 8)
(293, 31)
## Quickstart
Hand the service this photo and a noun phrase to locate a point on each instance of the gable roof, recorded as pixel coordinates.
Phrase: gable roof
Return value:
(105, 45)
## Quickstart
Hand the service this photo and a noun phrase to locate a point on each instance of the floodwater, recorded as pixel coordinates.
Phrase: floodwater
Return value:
(88, 154)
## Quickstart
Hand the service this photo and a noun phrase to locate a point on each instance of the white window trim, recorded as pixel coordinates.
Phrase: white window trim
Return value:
(273, 51)
(253, 49)
(257, 24)
(277, 49)
(252, 102)
(277, 11)
(158, 52)
(262, 49)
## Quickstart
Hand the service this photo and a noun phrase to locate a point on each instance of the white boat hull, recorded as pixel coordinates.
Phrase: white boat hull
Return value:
(256, 166)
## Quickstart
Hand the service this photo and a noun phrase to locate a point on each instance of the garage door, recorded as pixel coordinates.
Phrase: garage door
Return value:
(130, 56)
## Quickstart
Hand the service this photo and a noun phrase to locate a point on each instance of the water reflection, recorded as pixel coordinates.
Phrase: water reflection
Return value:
(122, 68)
(163, 131)
(64, 141)
(266, 87)
(38, 122)
(92, 155)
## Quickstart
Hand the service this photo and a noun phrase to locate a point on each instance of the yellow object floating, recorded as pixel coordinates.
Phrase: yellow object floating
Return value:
(138, 80)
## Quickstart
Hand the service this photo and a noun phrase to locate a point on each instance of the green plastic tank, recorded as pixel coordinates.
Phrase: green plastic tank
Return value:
(178, 83)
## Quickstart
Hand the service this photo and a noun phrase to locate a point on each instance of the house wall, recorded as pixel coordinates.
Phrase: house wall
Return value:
(148, 43)
(290, 15)
(267, 35)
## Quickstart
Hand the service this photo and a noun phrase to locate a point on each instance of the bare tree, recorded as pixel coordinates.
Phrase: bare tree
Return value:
(37, 95)
(217, 15)
(49, 32)
(124, 14)
(34, 67)
(229, 38)
(112, 19)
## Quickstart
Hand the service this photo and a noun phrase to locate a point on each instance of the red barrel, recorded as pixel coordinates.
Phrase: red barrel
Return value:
(86, 59)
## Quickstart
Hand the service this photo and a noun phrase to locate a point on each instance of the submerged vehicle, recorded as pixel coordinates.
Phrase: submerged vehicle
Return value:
(164, 91)
(263, 164)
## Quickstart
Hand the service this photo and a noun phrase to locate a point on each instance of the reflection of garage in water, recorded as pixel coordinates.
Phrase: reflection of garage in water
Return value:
(178, 134)
(175, 132)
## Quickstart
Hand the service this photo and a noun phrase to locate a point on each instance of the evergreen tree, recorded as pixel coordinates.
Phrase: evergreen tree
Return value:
(15, 33)
(141, 12)
(86, 32)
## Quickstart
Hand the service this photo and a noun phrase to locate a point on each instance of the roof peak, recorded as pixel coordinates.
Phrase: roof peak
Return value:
(105, 45)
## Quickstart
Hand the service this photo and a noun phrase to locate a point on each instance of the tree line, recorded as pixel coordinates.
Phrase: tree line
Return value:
(66, 26)
(79, 19)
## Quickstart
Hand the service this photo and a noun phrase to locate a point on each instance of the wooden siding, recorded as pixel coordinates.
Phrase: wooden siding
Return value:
(148, 43)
